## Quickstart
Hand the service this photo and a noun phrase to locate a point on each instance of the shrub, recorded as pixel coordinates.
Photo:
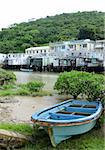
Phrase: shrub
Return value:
(35, 86)
(7, 77)
(75, 83)
(8, 86)
(69, 83)
(22, 92)
(93, 86)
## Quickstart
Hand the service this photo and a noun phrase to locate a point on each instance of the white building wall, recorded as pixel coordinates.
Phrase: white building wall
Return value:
(17, 59)
(48, 60)
(2, 58)
(37, 50)
(80, 62)
(55, 62)
(44, 61)
(100, 46)
(75, 45)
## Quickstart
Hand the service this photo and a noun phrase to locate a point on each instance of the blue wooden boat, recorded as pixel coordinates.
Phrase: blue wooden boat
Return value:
(68, 118)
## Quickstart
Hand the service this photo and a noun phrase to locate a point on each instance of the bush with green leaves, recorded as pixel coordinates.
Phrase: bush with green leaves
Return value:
(8, 86)
(68, 83)
(76, 83)
(93, 86)
(6, 77)
(35, 86)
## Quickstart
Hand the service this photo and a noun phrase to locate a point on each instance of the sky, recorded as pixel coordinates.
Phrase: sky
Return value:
(16, 11)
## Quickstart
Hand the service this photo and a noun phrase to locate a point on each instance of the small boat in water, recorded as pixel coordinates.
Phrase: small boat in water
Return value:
(26, 70)
(68, 118)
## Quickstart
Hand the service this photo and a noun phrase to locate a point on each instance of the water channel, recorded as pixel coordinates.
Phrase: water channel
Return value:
(48, 78)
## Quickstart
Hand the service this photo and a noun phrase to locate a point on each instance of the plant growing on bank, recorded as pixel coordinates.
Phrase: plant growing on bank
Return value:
(35, 86)
(6, 77)
(75, 83)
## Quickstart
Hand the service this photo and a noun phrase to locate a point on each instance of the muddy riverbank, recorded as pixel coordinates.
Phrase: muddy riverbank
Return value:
(20, 108)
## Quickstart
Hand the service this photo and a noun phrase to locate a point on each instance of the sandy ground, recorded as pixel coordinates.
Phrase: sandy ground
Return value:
(20, 108)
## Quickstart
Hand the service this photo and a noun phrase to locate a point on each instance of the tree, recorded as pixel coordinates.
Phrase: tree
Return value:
(62, 27)
(74, 83)
(86, 33)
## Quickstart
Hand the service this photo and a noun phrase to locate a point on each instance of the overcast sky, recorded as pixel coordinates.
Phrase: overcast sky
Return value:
(16, 11)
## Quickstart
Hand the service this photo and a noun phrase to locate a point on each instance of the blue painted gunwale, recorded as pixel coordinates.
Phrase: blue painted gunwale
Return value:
(44, 116)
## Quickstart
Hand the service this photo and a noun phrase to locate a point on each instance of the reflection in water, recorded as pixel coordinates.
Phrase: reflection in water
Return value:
(48, 78)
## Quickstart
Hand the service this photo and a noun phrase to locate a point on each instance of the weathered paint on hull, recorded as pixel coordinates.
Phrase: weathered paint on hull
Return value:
(60, 133)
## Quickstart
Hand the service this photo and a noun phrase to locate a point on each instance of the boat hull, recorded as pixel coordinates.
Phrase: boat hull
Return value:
(72, 117)
(60, 133)
(26, 70)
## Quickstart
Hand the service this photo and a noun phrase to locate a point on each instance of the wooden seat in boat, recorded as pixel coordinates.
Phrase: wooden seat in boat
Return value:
(64, 116)
(79, 109)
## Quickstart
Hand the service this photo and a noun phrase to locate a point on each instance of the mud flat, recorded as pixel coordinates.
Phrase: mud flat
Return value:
(20, 108)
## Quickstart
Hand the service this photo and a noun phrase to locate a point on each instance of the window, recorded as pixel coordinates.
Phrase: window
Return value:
(63, 46)
(84, 45)
(44, 51)
(36, 51)
(71, 46)
(52, 48)
(41, 51)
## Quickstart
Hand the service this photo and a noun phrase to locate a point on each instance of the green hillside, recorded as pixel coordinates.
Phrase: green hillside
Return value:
(80, 25)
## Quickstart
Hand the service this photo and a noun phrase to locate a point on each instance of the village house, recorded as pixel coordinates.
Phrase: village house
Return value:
(72, 45)
(80, 52)
(73, 53)
(43, 50)
(16, 59)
